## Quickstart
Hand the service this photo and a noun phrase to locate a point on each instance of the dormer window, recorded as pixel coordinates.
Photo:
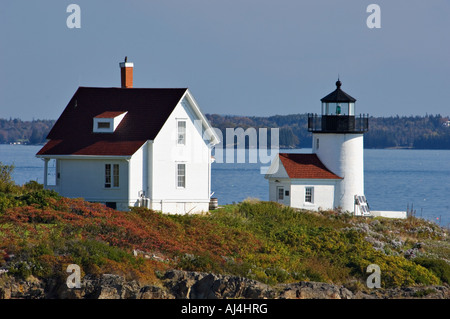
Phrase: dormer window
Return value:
(107, 122)
(103, 125)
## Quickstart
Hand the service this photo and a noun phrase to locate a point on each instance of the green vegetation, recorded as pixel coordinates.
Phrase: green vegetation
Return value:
(41, 233)
(6, 182)
(438, 266)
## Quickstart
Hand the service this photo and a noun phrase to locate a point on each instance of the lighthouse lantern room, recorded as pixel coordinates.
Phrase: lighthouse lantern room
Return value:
(338, 114)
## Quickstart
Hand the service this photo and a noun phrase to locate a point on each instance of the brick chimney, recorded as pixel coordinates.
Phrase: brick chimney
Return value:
(126, 74)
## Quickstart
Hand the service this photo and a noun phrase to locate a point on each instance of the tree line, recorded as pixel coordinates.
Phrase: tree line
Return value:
(420, 132)
(25, 132)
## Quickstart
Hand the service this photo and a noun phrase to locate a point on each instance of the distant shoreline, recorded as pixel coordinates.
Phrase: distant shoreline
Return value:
(287, 148)
(406, 132)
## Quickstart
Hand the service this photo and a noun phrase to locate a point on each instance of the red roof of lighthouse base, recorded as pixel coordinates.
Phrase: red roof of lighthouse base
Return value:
(305, 166)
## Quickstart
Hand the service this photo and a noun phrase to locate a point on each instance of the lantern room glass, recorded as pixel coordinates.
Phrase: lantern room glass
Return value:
(338, 108)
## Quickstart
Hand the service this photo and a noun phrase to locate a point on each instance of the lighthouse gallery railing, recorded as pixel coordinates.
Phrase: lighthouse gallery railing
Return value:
(338, 123)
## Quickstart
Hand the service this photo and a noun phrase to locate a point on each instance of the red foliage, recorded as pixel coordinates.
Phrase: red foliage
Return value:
(141, 229)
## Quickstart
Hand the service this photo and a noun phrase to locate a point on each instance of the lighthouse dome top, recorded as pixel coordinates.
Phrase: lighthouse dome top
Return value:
(338, 95)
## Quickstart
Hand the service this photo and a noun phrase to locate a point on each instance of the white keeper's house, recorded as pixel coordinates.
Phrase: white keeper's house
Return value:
(126, 146)
(332, 176)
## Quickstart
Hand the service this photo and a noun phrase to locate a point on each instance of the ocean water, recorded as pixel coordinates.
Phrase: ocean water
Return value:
(26, 166)
(394, 179)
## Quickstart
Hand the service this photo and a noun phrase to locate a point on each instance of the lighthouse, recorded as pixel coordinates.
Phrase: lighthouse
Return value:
(332, 175)
(338, 141)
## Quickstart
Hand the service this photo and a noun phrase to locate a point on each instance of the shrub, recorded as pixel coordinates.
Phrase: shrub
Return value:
(92, 252)
(7, 184)
(277, 274)
(21, 269)
(196, 263)
(40, 198)
(423, 293)
(438, 266)
(7, 201)
(33, 186)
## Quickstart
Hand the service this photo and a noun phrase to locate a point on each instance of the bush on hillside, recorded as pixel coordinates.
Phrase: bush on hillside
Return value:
(438, 266)
(260, 240)
(7, 184)
(33, 186)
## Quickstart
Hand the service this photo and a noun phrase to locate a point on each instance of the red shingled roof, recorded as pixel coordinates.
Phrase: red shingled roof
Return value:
(148, 110)
(306, 166)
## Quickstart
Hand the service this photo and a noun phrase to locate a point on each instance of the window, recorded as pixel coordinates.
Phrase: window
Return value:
(181, 133)
(107, 175)
(116, 175)
(108, 122)
(105, 125)
(317, 143)
(309, 191)
(112, 205)
(111, 176)
(181, 175)
(52, 173)
(280, 195)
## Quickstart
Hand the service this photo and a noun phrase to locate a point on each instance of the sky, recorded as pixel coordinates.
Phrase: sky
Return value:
(237, 57)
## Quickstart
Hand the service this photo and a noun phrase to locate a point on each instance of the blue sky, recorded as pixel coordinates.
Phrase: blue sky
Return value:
(243, 57)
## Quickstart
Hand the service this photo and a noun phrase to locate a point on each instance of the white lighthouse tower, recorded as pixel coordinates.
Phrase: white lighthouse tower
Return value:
(338, 141)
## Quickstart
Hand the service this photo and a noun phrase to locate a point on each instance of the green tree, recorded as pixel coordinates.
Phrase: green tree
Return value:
(6, 182)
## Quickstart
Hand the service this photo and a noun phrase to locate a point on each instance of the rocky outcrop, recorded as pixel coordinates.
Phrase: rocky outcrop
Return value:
(314, 290)
(33, 288)
(194, 285)
(177, 284)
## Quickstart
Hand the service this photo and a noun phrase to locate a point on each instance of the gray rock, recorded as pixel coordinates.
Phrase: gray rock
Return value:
(196, 285)
(315, 290)
(154, 292)
(218, 287)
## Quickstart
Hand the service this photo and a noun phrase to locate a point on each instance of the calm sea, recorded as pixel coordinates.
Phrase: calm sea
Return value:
(394, 179)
